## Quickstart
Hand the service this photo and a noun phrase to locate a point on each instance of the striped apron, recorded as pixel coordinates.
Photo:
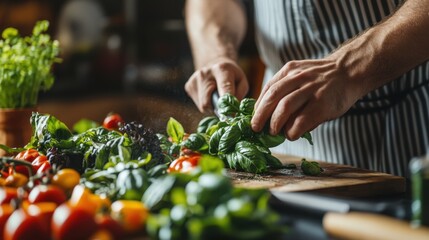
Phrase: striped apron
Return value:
(384, 129)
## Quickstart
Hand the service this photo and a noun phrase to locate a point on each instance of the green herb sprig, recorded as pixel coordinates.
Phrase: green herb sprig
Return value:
(25, 65)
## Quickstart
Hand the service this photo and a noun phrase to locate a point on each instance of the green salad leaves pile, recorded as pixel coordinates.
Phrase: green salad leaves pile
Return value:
(25, 66)
(97, 147)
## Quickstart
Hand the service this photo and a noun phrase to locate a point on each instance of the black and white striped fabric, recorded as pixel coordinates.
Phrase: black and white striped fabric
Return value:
(385, 129)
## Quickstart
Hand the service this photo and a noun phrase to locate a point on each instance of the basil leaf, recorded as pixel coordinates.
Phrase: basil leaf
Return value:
(175, 130)
(308, 136)
(249, 158)
(310, 168)
(206, 123)
(214, 140)
(228, 105)
(273, 161)
(245, 128)
(196, 142)
(228, 140)
(269, 140)
(247, 106)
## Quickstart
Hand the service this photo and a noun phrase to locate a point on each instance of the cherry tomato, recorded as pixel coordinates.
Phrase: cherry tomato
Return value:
(114, 228)
(9, 193)
(47, 193)
(66, 179)
(21, 225)
(72, 223)
(42, 210)
(16, 180)
(2, 182)
(82, 198)
(22, 170)
(131, 214)
(4, 174)
(113, 121)
(184, 163)
(46, 166)
(102, 203)
(39, 161)
(28, 155)
(5, 212)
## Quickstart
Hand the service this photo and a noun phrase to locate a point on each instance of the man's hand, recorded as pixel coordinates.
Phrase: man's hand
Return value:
(302, 95)
(306, 93)
(222, 74)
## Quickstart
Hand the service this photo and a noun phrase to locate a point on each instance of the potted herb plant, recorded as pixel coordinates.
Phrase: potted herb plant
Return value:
(25, 70)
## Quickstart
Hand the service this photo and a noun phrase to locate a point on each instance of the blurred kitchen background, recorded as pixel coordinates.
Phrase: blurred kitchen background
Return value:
(126, 56)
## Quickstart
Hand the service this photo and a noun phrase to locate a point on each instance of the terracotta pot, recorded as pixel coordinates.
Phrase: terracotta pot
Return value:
(15, 127)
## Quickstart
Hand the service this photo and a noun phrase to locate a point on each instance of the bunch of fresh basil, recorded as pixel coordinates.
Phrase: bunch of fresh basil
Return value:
(25, 66)
(233, 140)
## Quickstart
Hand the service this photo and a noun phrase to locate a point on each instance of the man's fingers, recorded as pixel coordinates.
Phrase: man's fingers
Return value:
(199, 87)
(225, 78)
(286, 107)
(303, 121)
(269, 100)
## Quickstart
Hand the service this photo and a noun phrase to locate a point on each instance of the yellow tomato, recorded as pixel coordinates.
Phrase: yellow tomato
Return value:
(66, 179)
(131, 214)
(16, 180)
(2, 182)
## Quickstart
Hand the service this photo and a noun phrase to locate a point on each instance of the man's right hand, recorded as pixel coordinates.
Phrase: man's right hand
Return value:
(222, 74)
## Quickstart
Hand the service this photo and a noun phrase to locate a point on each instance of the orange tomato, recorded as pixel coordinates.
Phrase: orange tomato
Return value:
(82, 198)
(131, 214)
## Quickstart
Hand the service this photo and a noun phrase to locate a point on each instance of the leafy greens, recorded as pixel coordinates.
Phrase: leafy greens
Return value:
(25, 66)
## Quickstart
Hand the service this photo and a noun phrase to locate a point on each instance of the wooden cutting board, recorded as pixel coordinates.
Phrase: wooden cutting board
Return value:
(337, 180)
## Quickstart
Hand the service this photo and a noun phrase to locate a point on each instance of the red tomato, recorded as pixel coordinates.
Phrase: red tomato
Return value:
(4, 174)
(43, 210)
(28, 155)
(5, 212)
(22, 170)
(112, 121)
(110, 225)
(9, 193)
(70, 223)
(21, 225)
(46, 166)
(47, 193)
(38, 161)
(184, 163)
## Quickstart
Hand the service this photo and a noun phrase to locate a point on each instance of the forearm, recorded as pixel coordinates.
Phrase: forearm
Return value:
(215, 29)
(389, 49)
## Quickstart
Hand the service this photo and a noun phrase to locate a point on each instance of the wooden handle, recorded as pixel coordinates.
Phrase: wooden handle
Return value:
(356, 225)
